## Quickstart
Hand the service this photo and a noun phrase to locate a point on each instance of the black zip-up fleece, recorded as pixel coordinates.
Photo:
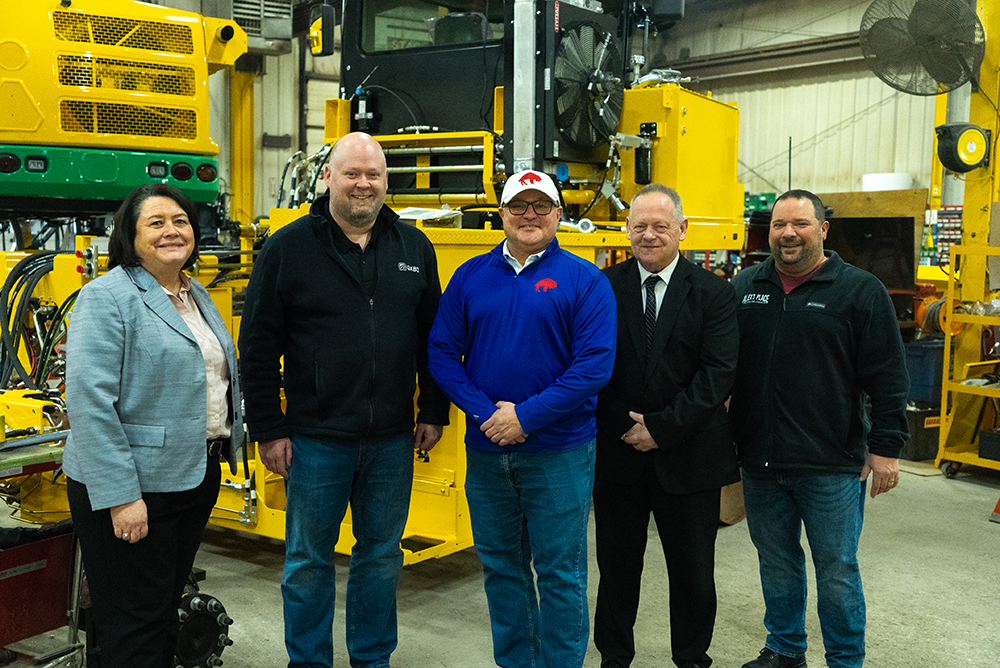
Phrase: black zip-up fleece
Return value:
(351, 362)
(806, 361)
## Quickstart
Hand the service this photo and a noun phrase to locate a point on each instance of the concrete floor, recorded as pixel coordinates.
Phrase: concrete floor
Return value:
(929, 558)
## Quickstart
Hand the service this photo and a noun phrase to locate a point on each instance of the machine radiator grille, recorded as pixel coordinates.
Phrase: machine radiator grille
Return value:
(127, 119)
(124, 32)
(110, 73)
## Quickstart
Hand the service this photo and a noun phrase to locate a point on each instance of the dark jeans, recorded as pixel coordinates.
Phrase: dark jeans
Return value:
(376, 477)
(529, 515)
(831, 508)
(136, 588)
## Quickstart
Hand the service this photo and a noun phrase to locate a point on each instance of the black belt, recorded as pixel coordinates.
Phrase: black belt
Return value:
(215, 446)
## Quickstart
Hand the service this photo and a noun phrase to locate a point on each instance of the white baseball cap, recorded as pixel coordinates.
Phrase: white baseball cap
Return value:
(529, 179)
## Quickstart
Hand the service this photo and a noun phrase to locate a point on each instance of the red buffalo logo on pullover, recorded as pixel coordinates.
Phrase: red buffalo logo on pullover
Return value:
(545, 285)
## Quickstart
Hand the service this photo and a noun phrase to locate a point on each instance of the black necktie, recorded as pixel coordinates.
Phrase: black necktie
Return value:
(650, 285)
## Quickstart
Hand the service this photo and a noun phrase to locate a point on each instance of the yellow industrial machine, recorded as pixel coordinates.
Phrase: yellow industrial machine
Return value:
(98, 97)
(101, 96)
(455, 115)
(661, 132)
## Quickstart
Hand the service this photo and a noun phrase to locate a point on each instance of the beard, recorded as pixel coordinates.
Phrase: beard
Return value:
(806, 257)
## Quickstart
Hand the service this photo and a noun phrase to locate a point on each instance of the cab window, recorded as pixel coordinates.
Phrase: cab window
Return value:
(392, 25)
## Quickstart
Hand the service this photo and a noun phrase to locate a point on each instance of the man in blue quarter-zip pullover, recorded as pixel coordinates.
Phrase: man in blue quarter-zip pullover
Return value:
(523, 341)
(817, 336)
(347, 296)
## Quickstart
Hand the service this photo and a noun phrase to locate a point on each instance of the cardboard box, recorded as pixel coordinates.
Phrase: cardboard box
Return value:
(731, 510)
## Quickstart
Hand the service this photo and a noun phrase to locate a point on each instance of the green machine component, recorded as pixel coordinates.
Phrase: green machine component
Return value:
(49, 178)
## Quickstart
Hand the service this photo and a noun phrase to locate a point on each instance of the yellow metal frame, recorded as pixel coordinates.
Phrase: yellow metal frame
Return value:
(242, 151)
(937, 169)
(438, 523)
(982, 194)
(954, 447)
(437, 140)
(695, 152)
(136, 68)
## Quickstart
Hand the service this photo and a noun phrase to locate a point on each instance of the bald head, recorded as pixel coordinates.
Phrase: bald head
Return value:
(357, 180)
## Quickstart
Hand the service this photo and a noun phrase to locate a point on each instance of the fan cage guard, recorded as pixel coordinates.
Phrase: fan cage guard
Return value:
(588, 95)
(923, 47)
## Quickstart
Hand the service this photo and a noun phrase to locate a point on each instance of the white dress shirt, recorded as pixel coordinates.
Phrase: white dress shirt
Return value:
(661, 286)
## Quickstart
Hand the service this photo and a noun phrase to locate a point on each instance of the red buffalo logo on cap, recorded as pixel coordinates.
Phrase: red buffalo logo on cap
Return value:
(530, 178)
(545, 285)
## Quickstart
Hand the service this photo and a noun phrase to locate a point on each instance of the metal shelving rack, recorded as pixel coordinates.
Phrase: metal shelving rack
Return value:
(957, 446)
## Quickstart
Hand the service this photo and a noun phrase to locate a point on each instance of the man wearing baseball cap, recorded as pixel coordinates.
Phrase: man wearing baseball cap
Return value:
(523, 340)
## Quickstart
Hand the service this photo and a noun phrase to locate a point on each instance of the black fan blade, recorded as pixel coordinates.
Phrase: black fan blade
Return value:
(946, 35)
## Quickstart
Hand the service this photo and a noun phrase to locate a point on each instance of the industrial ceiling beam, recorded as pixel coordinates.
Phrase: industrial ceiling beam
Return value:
(803, 53)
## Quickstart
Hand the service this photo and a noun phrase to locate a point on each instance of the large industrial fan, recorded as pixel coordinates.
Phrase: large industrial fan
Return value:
(929, 47)
(579, 89)
(923, 47)
(588, 88)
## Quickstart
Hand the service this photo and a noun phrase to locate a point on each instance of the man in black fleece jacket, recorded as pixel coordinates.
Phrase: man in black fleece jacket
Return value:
(817, 336)
(347, 296)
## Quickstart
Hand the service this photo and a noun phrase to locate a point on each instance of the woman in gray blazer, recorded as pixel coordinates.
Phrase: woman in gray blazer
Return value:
(153, 400)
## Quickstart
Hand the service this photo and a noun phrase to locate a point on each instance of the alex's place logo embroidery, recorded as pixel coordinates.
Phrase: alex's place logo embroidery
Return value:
(407, 267)
(756, 299)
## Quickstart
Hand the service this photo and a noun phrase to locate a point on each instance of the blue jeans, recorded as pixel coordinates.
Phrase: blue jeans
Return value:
(376, 478)
(832, 509)
(529, 510)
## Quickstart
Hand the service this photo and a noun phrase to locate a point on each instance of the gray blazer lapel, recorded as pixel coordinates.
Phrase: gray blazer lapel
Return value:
(214, 320)
(156, 299)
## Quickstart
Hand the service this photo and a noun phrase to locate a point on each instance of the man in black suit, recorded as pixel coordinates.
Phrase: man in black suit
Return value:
(663, 442)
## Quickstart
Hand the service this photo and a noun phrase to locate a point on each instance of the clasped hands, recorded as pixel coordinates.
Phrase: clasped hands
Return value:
(503, 427)
(638, 436)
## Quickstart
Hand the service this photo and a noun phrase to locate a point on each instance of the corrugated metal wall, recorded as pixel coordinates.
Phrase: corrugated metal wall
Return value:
(842, 120)
(840, 128)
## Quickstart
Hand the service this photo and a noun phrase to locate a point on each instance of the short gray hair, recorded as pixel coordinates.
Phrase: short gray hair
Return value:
(663, 190)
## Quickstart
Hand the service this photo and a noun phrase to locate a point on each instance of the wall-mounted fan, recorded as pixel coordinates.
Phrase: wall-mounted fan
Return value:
(923, 47)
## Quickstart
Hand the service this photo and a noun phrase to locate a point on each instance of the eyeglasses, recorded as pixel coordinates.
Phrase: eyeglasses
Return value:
(542, 207)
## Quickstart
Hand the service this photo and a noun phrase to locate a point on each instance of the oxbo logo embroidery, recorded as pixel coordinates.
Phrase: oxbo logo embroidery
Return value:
(405, 267)
(756, 299)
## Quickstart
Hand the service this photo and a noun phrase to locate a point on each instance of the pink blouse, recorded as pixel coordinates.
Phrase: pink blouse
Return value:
(216, 367)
